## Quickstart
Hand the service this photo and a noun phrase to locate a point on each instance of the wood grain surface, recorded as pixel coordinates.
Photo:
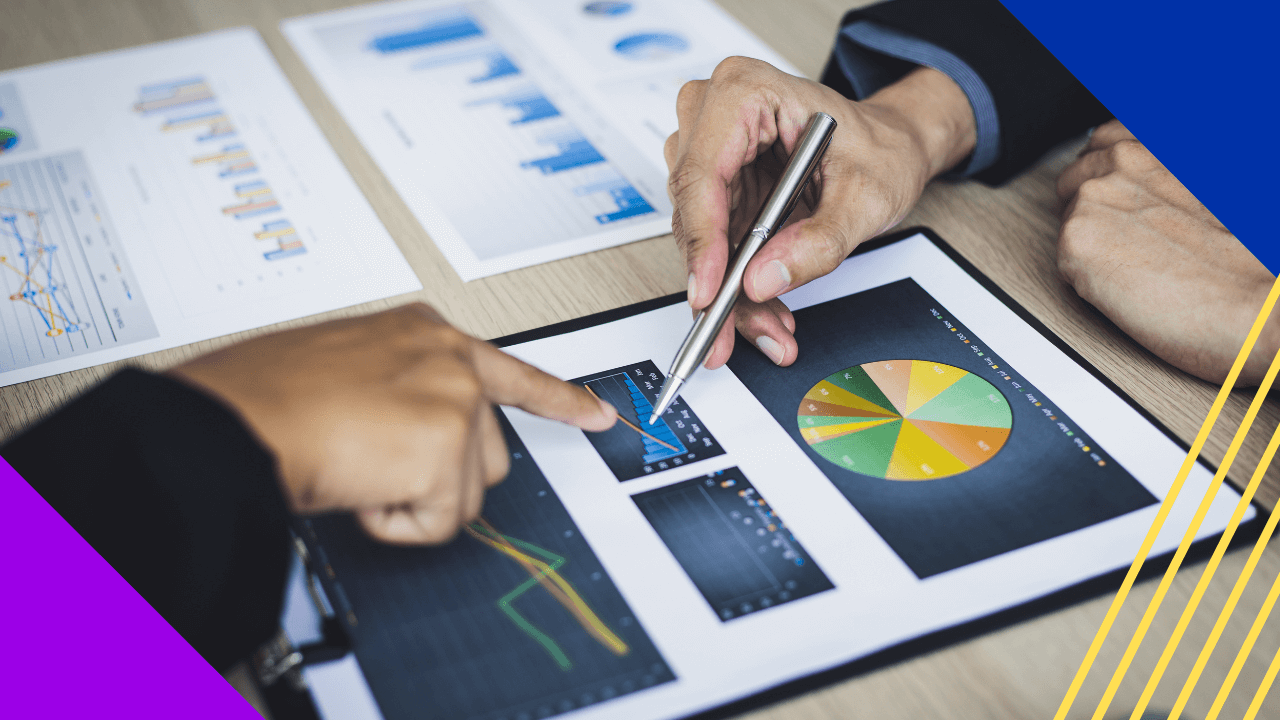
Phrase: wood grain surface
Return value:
(1009, 233)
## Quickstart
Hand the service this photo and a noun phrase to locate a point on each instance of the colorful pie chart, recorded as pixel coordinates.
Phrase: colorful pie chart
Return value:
(905, 419)
(8, 138)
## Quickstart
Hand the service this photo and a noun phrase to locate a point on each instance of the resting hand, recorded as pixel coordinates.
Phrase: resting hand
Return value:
(1138, 246)
(737, 130)
(389, 415)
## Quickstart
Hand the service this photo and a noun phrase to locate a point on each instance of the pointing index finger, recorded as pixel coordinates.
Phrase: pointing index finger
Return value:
(509, 381)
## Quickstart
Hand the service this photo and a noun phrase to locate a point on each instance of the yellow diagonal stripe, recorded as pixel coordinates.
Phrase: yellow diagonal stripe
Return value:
(1107, 622)
(1269, 678)
(1188, 538)
(1263, 613)
(1207, 575)
(1236, 591)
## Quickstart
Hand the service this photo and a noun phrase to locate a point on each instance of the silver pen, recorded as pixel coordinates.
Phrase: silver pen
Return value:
(781, 202)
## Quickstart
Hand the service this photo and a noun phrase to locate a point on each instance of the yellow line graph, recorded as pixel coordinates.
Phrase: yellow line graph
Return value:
(554, 584)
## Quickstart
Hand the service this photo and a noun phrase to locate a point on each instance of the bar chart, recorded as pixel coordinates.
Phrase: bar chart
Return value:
(470, 117)
(633, 448)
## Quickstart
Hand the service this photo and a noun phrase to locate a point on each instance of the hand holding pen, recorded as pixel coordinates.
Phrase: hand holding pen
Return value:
(736, 132)
(777, 207)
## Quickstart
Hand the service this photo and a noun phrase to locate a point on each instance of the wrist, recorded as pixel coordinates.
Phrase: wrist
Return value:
(937, 112)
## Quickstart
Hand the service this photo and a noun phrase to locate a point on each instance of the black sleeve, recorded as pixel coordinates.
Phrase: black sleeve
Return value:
(176, 494)
(1038, 101)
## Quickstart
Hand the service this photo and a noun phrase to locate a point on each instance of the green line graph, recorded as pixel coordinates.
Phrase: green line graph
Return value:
(529, 628)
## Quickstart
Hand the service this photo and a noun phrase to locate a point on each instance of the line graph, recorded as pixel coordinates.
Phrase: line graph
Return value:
(547, 576)
(68, 284)
(518, 618)
(634, 448)
(36, 286)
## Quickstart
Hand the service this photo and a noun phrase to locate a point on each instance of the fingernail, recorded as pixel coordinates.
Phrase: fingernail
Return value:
(770, 347)
(772, 279)
(693, 288)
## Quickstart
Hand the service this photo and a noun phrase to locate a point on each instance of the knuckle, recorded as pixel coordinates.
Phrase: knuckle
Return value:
(831, 251)
(1077, 242)
(689, 97)
(683, 178)
(735, 69)
(1094, 190)
(1130, 154)
(670, 148)
(497, 470)
(450, 425)
(467, 384)
(439, 530)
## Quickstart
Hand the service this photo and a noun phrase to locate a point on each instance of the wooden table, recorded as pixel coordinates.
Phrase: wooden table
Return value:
(1009, 233)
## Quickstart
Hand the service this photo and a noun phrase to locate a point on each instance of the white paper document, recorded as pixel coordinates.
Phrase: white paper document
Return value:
(930, 460)
(521, 131)
(166, 194)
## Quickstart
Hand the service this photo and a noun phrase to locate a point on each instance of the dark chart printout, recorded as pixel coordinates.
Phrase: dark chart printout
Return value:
(947, 451)
(678, 438)
(516, 619)
(731, 544)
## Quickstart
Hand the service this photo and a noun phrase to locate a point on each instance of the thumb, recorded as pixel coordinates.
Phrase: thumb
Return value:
(810, 248)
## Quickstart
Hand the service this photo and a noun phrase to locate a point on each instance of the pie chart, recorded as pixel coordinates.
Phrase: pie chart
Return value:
(905, 419)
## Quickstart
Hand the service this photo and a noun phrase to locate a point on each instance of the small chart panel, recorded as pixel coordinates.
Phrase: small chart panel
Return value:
(633, 448)
(733, 546)
(515, 618)
(68, 288)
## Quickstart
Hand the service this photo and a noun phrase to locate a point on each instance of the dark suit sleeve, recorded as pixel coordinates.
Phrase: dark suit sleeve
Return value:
(176, 494)
(1038, 102)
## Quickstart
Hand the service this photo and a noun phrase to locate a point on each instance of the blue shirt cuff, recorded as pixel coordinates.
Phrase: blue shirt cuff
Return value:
(859, 49)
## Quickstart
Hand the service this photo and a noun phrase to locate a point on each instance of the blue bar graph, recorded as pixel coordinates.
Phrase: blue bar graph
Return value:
(497, 64)
(500, 66)
(282, 254)
(441, 31)
(653, 452)
(629, 200)
(630, 204)
(531, 104)
(575, 151)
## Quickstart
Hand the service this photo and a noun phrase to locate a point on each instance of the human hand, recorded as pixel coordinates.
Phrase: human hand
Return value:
(737, 130)
(1137, 245)
(389, 415)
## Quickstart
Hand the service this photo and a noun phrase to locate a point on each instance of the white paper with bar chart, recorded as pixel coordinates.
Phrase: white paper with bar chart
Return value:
(521, 132)
(166, 194)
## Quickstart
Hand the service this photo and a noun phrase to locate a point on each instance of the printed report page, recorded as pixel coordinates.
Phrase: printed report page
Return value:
(929, 460)
(521, 132)
(166, 194)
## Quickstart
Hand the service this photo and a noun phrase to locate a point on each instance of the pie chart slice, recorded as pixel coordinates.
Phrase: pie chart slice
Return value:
(905, 419)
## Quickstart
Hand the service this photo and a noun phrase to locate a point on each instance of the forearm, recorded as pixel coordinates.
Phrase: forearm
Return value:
(174, 493)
